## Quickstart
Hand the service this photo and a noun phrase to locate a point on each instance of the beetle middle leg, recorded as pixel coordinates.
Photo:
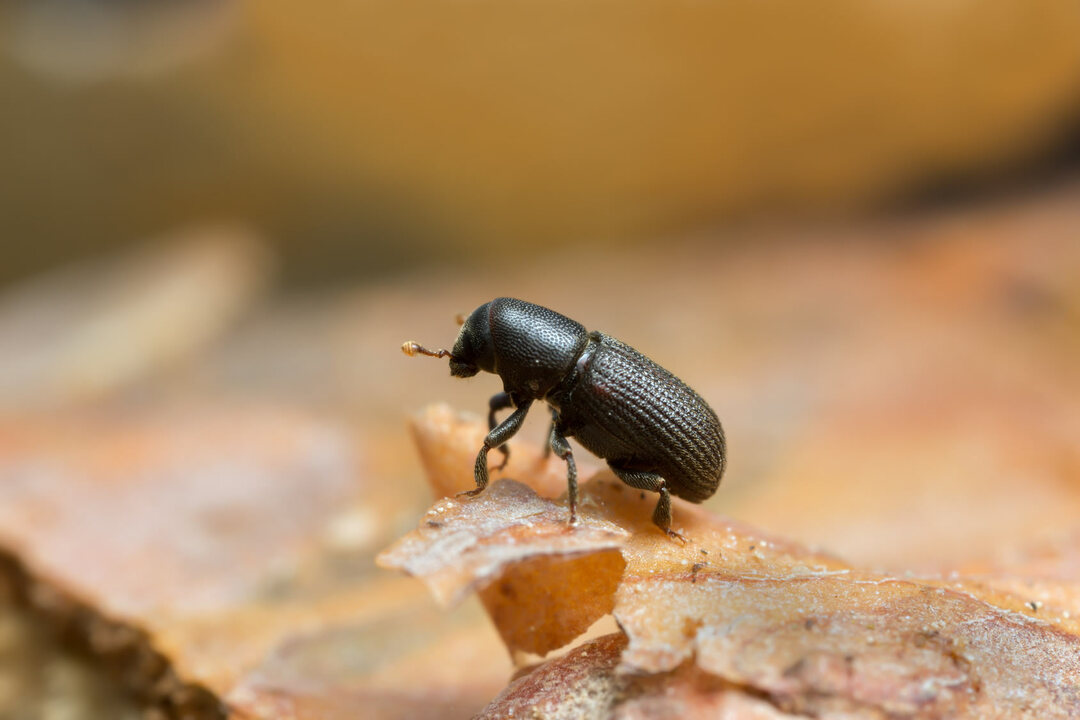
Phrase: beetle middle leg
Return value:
(551, 433)
(561, 447)
(654, 483)
(499, 401)
(494, 439)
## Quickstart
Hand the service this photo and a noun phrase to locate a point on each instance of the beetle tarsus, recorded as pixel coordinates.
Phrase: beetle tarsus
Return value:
(677, 536)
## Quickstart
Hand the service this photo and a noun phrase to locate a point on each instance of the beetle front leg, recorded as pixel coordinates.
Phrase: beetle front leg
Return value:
(494, 439)
(499, 401)
(561, 447)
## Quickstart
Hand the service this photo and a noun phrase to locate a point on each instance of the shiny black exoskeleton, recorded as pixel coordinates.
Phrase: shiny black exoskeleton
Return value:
(655, 432)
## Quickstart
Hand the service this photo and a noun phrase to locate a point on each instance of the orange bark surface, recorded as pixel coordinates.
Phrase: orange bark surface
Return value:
(760, 616)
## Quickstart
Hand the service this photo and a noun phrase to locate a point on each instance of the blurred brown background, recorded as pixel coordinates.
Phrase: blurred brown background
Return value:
(361, 137)
(854, 228)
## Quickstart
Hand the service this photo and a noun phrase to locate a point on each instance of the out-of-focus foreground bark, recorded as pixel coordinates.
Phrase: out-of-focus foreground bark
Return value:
(200, 512)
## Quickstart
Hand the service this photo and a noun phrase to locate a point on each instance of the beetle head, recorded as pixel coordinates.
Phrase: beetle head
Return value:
(474, 350)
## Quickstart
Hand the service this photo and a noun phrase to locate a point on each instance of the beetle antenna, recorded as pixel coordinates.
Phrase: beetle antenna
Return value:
(411, 348)
(460, 318)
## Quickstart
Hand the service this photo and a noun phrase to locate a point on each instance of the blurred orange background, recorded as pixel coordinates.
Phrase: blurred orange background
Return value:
(365, 137)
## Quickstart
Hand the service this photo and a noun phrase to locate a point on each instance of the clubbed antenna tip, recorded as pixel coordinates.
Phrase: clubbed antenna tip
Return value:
(411, 348)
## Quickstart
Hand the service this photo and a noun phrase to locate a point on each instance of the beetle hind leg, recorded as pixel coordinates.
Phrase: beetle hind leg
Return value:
(652, 482)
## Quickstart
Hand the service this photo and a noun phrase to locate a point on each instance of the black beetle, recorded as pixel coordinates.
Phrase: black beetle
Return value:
(655, 432)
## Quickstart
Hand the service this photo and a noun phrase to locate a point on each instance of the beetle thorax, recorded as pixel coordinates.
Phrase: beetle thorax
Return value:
(535, 348)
